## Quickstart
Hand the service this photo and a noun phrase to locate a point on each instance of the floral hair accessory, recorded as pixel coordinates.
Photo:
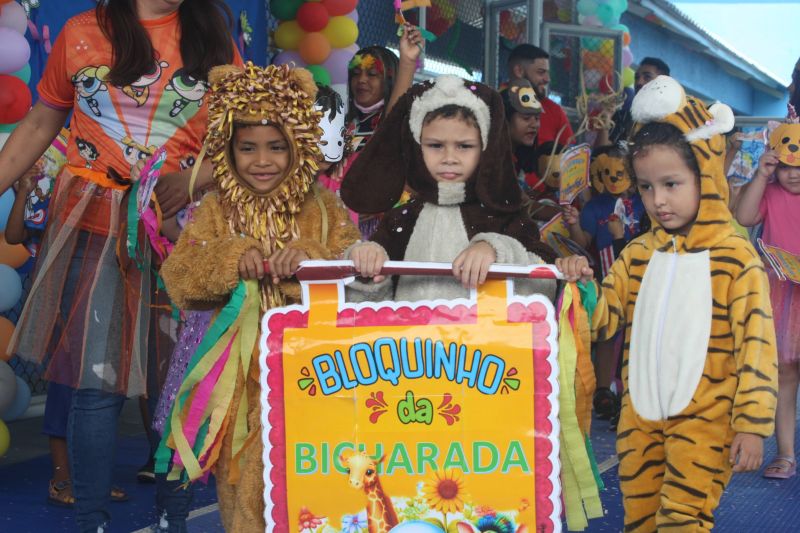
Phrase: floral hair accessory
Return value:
(366, 62)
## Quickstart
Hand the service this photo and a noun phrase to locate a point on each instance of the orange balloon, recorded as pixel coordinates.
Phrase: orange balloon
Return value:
(13, 255)
(626, 39)
(314, 48)
(6, 330)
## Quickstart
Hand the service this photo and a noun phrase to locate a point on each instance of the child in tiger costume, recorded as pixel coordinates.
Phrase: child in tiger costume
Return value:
(700, 363)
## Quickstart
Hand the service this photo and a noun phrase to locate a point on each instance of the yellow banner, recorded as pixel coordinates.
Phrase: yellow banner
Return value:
(432, 416)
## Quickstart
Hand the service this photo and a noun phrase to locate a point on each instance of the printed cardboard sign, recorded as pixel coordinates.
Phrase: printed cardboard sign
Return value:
(785, 264)
(411, 417)
(574, 173)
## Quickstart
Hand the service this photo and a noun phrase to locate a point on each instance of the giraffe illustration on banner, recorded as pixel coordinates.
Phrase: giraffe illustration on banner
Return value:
(363, 470)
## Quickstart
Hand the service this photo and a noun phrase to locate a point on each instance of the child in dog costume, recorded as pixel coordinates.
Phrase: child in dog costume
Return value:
(700, 364)
(444, 218)
(292, 221)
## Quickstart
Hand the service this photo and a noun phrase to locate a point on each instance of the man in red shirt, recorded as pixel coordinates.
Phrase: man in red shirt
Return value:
(532, 63)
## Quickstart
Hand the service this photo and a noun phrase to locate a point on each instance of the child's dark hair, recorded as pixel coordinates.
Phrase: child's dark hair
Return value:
(611, 150)
(660, 134)
(452, 111)
(547, 148)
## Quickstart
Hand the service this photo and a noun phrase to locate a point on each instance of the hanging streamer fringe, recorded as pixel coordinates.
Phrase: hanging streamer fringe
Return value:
(576, 386)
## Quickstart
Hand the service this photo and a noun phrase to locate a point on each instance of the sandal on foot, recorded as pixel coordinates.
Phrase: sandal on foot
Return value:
(60, 494)
(782, 467)
(118, 495)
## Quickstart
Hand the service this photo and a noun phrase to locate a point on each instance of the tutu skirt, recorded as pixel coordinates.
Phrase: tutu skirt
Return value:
(785, 299)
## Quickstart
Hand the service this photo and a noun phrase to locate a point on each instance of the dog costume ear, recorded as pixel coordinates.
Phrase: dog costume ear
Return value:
(496, 184)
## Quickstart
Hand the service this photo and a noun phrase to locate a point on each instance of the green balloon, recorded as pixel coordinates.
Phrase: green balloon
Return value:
(285, 9)
(24, 73)
(8, 128)
(320, 73)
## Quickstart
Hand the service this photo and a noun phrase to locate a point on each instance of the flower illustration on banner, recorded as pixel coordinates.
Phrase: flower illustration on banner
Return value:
(377, 404)
(448, 410)
(354, 523)
(307, 521)
(444, 491)
(307, 382)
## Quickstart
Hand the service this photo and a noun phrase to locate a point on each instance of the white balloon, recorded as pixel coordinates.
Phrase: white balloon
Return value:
(12, 15)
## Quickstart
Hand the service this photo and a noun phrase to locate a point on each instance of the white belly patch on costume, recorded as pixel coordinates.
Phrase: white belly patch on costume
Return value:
(670, 333)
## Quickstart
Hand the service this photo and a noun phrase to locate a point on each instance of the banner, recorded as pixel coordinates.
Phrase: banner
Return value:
(574, 173)
(422, 417)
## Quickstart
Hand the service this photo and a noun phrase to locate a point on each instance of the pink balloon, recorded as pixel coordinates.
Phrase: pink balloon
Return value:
(337, 64)
(12, 15)
(14, 52)
(590, 20)
(287, 57)
(627, 57)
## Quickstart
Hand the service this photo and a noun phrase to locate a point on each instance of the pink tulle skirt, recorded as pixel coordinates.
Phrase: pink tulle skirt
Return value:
(785, 298)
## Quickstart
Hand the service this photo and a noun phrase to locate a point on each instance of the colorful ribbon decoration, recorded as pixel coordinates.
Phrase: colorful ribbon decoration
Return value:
(579, 472)
(203, 411)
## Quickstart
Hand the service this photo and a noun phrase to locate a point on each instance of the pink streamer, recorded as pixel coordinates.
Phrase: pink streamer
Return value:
(201, 398)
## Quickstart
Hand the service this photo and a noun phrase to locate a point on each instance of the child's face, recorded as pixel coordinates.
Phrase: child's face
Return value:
(261, 156)
(451, 148)
(523, 128)
(670, 190)
(788, 177)
(366, 85)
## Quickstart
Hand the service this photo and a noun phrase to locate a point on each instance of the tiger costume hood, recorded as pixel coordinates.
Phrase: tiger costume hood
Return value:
(664, 100)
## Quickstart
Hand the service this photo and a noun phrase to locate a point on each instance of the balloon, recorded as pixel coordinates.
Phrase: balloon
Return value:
(288, 35)
(6, 202)
(7, 128)
(621, 27)
(284, 9)
(24, 73)
(339, 7)
(10, 288)
(6, 330)
(5, 438)
(587, 7)
(628, 77)
(606, 15)
(341, 32)
(620, 6)
(627, 57)
(13, 255)
(4, 135)
(353, 15)
(564, 15)
(15, 99)
(591, 43)
(590, 20)
(592, 77)
(21, 402)
(320, 74)
(15, 52)
(607, 48)
(315, 48)
(312, 16)
(626, 39)
(287, 57)
(12, 15)
(8, 387)
(337, 63)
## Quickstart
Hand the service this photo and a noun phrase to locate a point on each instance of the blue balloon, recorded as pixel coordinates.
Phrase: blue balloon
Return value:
(6, 202)
(21, 401)
(10, 288)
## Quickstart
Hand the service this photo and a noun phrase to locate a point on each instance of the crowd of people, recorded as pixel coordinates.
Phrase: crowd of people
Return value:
(266, 169)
